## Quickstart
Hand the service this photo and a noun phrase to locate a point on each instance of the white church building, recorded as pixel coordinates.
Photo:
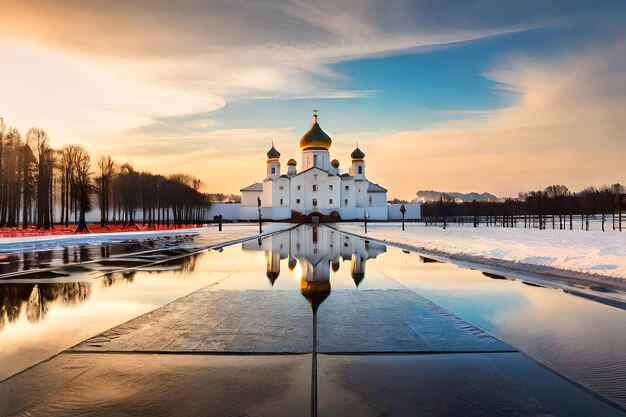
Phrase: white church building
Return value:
(318, 186)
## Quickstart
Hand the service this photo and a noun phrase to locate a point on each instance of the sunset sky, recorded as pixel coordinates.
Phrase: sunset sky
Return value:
(497, 96)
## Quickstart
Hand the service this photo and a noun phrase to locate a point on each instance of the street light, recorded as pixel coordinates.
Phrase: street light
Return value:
(402, 210)
(258, 201)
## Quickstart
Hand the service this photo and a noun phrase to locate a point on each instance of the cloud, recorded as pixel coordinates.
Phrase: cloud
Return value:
(143, 79)
(86, 69)
(567, 126)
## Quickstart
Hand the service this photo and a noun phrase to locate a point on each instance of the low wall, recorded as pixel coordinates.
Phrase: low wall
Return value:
(413, 211)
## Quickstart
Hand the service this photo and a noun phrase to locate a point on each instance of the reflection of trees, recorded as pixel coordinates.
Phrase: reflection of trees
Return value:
(113, 278)
(188, 263)
(182, 264)
(34, 299)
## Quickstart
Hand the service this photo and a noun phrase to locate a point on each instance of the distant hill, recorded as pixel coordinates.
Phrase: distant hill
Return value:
(430, 195)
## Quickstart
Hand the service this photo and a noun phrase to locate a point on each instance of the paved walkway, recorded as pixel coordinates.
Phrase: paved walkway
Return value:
(251, 353)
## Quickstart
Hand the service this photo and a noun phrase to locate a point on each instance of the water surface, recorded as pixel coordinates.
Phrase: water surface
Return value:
(79, 291)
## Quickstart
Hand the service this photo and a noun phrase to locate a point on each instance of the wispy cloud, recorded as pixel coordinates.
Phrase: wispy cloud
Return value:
(144, 79)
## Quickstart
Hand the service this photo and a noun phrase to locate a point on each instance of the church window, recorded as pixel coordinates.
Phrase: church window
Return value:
(345, 201)
(370, 200)
(347, 187)
(273, 170)
(314, 187)
(330, 187)
(281, 201)
(298, 201)
(315, 202)
(360, 169)
(281, 187)
(315, 160)
(330, 201)
(298, 188)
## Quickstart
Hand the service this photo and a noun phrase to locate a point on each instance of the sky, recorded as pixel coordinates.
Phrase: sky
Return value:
(446, 95)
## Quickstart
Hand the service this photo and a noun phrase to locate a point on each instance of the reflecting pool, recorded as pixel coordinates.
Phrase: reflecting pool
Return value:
(51, 302)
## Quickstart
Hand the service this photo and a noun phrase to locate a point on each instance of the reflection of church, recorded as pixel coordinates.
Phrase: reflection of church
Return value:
(313, 251)
(320, 186)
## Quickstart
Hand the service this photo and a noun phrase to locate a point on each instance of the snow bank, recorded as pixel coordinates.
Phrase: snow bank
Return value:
(206, 236)
(592, 252)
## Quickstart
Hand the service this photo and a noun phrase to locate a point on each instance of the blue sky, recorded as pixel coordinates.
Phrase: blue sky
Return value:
(508, 95)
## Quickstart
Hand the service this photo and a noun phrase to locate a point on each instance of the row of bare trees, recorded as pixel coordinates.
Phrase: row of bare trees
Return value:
(36, 180)
(554, 206)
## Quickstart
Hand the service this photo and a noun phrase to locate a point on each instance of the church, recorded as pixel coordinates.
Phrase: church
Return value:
(318, 188)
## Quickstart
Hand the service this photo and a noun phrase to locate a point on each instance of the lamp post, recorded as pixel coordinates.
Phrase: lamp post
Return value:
(258, 201)
(402, 210)
(366, 215)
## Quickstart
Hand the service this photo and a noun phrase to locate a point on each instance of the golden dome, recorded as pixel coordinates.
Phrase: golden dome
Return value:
(292, 162)
(315, 138)
(334, 163)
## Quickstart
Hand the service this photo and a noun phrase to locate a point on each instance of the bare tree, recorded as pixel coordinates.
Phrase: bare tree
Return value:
(106, 168)
(44, 155)
(84, 186)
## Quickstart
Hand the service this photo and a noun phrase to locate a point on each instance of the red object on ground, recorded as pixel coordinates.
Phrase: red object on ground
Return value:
(93, 228)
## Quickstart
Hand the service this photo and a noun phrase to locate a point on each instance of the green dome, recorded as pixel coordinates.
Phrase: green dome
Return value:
(315, 138)
(273, 153)
(357, 154)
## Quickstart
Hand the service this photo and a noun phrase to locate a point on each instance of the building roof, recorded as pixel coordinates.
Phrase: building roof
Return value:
(315, 138)
(375, 188)
(257, 186)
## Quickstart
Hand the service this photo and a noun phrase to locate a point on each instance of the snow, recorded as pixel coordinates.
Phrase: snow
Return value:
(206, 236)
(587, 252)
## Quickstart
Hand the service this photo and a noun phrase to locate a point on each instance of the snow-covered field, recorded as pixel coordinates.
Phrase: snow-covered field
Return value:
(593, 252)
(206, 236)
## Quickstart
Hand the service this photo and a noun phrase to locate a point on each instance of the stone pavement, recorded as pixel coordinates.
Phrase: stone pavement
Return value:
(280, 321)
(247, 353)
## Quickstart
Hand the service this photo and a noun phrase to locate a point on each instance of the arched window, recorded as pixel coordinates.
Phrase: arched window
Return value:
(314, 187)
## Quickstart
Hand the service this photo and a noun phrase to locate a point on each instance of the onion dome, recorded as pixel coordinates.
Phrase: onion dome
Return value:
(272, 276)
(315, 292)
(291, 263)
(334, 163)
(273, 153)
(315, 138)
(357, 154)
(357, 277)
(292, 162)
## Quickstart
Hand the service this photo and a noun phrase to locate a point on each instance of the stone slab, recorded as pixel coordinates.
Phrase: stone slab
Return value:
(396, 321)
(473, 384)
(93, 384)
(254, 321)
(280, 321)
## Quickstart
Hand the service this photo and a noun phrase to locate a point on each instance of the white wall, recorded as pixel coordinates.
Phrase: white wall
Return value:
(378, 199)
(323, 195)
(228, 211)
(248, 198)
(352, 213)
(413, 212)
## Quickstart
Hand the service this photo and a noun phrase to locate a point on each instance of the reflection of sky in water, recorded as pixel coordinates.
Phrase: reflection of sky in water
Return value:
(578, 337)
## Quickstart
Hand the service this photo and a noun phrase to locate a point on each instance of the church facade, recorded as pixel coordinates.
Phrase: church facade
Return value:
(319, 186)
